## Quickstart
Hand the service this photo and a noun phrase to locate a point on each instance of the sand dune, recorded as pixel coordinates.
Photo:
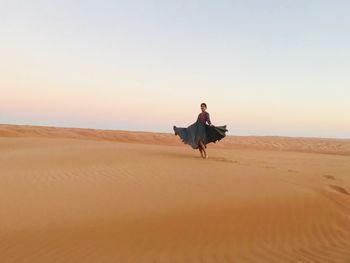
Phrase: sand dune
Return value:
(309, 145)
(80, 195)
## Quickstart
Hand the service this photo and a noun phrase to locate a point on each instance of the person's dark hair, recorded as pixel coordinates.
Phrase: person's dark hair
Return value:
(203, 104)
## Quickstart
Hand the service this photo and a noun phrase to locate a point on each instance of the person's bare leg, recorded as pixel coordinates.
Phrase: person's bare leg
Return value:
(200, 150)
(203, 149)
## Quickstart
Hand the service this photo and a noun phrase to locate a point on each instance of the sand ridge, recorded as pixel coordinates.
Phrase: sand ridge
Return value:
(273, 143)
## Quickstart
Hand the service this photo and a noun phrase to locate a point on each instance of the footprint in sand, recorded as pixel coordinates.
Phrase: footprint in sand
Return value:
(339, 189)
(221, 159)
(330, 177)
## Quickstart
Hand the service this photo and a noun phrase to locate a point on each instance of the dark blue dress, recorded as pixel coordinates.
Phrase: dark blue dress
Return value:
(200, 131)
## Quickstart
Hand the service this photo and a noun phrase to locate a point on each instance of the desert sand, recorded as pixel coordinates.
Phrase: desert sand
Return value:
(83, 195)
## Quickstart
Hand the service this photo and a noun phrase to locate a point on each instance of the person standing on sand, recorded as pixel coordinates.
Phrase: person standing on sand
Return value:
(199, 134)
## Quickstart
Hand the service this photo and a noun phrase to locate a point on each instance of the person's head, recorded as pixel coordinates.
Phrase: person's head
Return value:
(203, 107)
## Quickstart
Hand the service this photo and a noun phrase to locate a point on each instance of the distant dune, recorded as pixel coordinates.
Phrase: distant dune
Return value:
(279, 143)
(82, 195)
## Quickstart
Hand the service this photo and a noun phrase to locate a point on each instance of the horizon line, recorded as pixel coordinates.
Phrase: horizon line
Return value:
(147, 131)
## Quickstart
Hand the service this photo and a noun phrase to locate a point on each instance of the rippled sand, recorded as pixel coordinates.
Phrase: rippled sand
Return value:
(79, 195)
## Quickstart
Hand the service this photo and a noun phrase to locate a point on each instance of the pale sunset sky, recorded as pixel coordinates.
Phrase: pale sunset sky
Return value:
(274, 67)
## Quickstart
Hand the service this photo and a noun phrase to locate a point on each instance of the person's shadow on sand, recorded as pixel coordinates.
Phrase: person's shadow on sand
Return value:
(190, 156)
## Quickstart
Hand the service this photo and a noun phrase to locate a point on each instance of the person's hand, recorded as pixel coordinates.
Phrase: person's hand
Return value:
(211, 125)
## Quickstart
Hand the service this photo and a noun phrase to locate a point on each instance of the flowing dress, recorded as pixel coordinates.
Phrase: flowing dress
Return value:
(200, 131)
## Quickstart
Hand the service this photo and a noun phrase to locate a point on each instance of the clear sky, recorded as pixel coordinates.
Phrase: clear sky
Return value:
(263, 67)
